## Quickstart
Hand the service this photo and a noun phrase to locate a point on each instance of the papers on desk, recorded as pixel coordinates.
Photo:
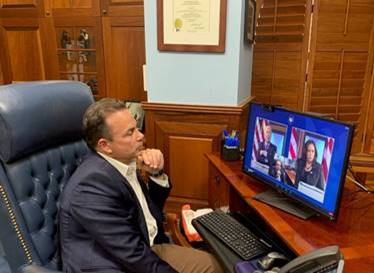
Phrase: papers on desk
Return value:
(187, 215)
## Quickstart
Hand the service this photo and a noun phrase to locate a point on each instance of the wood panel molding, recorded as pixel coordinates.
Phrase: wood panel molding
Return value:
(189, 108)
(185, 133)
(62, 8)
(21, 8)
(121, 8)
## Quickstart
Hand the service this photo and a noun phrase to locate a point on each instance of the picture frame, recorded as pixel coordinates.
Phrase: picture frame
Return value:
(191, 26)
(250, 20)
(136, 110)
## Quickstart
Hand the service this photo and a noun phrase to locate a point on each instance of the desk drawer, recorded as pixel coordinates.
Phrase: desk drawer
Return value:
(218, 189)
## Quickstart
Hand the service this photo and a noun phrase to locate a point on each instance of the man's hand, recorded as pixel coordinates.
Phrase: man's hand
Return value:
(151, 160)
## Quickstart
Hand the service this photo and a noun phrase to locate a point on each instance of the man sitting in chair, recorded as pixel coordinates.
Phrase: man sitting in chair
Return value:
(110, 220)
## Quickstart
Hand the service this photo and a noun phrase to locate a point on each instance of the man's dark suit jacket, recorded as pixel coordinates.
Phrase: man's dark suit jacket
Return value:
(271, 150)
(102, 226)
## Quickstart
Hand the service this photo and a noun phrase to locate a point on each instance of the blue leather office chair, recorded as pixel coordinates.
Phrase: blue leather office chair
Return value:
(40, 147)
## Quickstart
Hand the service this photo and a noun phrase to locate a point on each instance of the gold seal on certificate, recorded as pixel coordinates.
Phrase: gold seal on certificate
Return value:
(178, 24)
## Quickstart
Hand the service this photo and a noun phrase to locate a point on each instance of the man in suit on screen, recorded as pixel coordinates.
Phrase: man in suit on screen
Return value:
(266, 149)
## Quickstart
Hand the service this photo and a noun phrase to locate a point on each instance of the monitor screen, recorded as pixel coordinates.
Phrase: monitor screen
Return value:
(302, 155)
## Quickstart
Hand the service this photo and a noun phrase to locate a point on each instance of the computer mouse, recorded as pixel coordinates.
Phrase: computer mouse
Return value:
(272, 259)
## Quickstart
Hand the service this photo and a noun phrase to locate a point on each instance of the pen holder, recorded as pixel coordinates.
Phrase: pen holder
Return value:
(230, 153)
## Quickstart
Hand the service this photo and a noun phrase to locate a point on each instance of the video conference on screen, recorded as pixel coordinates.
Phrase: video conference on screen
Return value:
(302, 163)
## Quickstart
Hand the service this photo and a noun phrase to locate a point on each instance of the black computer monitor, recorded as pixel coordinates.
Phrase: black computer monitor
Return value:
(303, 156)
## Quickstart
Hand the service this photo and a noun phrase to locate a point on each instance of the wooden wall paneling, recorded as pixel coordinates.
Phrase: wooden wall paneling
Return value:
(69, 8)
(91, 67)
(21, 8)
(4, 56)
(122, 8)
(185, 134)
(49, 46)
(368, 122)
(124, 50)
(23, 38)
(1, 75)
(339, 61)
(262, 75)
(280, 52)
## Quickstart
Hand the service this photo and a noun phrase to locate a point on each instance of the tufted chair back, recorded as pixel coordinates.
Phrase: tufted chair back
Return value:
(40, 147)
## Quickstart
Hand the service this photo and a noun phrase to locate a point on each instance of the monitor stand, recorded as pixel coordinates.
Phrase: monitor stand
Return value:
(284, 203)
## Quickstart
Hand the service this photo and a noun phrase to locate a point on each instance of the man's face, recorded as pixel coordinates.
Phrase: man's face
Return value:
(267, 133)
(127, 141)
(310, 153)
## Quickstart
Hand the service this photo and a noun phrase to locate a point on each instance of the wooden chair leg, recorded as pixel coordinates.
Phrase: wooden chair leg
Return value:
(172, 227)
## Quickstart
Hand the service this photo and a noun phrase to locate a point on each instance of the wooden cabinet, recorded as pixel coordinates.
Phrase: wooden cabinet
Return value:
(124, 57)
(25, 49)
(23, 8)
(122, 8)
(98, 42)
(185, 134)
(72, 8)
(218, 189)
(79, 50)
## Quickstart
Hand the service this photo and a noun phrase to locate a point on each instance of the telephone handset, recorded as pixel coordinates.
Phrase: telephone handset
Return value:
(327, 259)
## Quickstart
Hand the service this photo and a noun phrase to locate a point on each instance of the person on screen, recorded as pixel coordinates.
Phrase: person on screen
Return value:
(266, 149)
(277, 171)
(307, 169)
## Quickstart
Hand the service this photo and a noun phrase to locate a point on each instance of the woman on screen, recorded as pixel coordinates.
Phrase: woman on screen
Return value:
(307, 169)
(277, 170)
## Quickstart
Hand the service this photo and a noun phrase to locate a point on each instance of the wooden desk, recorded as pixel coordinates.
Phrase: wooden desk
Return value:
(353, 232)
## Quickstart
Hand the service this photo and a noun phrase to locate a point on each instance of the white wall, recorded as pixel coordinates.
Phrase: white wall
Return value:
(199, 78)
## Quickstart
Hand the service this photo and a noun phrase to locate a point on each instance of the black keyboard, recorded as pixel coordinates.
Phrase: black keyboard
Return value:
(233, 234)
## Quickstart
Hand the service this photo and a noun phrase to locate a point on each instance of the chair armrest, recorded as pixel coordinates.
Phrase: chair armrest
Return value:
(32, 268)
(4, 267)
(172, 226)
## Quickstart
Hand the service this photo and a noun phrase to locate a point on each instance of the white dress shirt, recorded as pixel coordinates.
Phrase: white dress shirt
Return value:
(129, 172)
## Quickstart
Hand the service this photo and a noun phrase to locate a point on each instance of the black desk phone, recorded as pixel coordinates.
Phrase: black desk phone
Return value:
(324, 260)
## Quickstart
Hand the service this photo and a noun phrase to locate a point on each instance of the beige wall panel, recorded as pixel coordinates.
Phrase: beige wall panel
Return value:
(25, 54)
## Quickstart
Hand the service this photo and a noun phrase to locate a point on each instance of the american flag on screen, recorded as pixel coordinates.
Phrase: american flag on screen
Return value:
(293, 144)
(326, 159)
(259, 135)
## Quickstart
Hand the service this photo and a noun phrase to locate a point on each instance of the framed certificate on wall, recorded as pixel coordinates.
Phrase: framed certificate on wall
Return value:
(185, 25)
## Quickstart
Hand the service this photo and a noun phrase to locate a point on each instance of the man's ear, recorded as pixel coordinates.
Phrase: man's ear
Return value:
(103, 146)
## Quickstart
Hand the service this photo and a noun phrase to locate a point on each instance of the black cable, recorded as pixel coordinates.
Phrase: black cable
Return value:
(357, 181)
